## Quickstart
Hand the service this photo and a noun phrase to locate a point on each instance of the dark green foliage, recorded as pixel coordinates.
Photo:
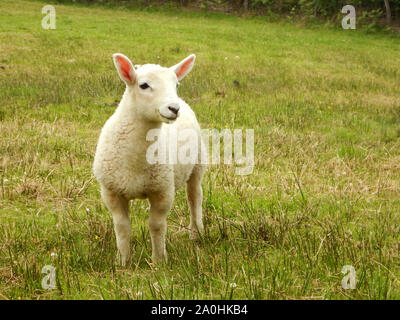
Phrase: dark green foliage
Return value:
(306, 8)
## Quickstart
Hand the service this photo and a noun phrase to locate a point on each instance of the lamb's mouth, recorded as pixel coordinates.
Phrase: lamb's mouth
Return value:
(168, 118)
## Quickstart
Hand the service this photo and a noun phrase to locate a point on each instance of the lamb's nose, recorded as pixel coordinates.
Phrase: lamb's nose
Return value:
(174, 109)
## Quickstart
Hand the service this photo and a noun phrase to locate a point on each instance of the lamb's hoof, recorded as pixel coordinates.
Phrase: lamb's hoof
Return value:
(121, 261)
(160, 260)
(196, 233)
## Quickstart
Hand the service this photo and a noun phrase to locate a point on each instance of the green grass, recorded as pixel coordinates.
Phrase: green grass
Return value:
(325, 106)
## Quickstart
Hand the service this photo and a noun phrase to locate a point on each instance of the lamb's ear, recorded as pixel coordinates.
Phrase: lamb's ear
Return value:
(184, 67)
(125, 68)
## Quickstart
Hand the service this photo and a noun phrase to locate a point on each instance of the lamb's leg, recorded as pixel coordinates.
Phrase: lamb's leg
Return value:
(194, 194)
(159, 207)
(119, 208)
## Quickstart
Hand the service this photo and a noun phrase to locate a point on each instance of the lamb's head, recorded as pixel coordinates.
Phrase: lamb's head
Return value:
(152, 88)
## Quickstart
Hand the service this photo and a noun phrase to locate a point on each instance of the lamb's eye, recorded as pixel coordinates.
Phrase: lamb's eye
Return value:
(144, 86)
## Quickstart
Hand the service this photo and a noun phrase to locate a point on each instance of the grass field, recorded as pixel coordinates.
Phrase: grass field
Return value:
(325, 107)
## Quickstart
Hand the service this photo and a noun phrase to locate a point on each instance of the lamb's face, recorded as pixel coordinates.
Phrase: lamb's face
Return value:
(155, 93)
(154, 88)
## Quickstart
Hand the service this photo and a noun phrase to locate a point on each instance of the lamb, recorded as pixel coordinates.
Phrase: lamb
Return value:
(120, 165)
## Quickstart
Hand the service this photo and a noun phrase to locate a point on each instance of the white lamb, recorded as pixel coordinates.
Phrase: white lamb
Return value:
(150, 102)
